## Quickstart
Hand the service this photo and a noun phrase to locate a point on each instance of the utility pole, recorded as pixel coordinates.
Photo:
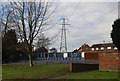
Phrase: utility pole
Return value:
(63, 44)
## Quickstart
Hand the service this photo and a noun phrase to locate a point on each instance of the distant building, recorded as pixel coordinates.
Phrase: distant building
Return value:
(84, 48)
(98, 47)
(103, 47)
(106, 54)
(91, 53)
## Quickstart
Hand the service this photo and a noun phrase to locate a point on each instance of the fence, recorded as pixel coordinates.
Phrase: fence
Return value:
(58, 56)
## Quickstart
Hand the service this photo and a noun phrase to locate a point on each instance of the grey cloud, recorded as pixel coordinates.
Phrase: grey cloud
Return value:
(90, 23)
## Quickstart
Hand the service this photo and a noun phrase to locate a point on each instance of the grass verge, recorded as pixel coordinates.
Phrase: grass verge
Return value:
(36, 72)
(96, 75)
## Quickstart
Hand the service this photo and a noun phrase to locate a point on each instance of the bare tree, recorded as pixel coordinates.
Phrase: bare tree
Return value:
(29, 18)
(43, 41)
(5, 18)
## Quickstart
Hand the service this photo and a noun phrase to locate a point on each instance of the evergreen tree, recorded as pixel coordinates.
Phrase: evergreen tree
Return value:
(9, 43)
(41, 50)
(53, 50)
(115, 34)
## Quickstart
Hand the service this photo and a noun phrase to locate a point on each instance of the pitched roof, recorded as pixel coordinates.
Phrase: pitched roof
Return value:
(103, 45)
(84, 45)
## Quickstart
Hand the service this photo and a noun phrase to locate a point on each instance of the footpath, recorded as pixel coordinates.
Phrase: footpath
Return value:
(60, 78)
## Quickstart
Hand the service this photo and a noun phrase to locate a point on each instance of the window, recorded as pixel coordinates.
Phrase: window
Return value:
(102, 48)
(115, 48)
(86, 48)
(108, 47)
(92, 48)
(96, 48)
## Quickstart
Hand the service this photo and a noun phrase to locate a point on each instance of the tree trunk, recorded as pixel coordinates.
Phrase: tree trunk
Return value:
(30, 59)
(30, 55)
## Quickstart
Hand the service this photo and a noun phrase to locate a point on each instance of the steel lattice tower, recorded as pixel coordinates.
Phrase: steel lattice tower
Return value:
(63, 44)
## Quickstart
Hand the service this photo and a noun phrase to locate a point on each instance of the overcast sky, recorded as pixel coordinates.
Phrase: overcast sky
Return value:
(91, 22)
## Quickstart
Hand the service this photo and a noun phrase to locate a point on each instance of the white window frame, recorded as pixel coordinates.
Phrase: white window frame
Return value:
(109, 47)
(97, 48)
(115, 48)
(102, 48)
(93, 49)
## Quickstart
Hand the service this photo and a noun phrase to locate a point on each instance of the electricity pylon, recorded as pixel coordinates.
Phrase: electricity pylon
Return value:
(63, 44)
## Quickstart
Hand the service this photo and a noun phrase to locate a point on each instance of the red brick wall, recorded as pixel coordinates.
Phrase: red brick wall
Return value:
(91, 56)
(109, 61)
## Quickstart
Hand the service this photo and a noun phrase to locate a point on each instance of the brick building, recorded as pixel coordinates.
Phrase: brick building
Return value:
(91, 56)
(103, 47)
(97, 47)
(84, 48)
(91, 53)
(107, 55)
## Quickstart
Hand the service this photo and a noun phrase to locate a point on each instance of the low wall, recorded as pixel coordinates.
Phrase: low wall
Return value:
(109, 61)
(79, 67)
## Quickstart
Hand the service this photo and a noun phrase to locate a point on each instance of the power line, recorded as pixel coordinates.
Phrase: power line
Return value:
(55, 37)
(65, 8)
(118, 9)
(108, 12)
(74, 11)
(102, 16)
(51, 26)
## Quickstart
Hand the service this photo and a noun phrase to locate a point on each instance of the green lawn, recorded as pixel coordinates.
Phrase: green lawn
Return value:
(96, 75)
(35, 72)
(51, 70)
